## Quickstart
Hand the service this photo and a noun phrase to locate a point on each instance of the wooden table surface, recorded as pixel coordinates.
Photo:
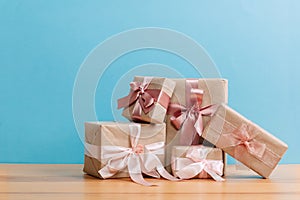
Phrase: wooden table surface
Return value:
(69, 182)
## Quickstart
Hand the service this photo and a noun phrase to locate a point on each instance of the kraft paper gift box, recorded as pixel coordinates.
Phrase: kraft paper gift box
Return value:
(198, 161)
(244, 140)
(148, 99)
(115, 150)
(191, 106)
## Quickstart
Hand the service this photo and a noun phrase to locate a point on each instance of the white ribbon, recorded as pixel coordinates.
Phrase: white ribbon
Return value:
(138, 159)
(195, 164)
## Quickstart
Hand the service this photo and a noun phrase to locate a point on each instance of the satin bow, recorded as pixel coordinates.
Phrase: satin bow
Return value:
(138, 159)
(139, 93)
(196, 164)
(243, 135)
(189, 119)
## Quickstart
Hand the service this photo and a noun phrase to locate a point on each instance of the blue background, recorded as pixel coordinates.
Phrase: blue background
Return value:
(255, 45)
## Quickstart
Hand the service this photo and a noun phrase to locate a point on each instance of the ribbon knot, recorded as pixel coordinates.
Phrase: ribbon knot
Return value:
(244, 135)
(139, 87)
(196, 164)
(246, 143)
(137, 159)
(138, 149)
(194, 110)
(141, 90)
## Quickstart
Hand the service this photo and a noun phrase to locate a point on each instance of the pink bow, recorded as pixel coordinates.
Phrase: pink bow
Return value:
(139, 93)
(243, 135)
(137, 160)
(195, 163)
(189, 119)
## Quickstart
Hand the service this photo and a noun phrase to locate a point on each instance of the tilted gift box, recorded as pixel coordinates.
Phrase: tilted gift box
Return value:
(114, 150)
(148, 99)
(244, 140)
(198, 161)
(191, 106)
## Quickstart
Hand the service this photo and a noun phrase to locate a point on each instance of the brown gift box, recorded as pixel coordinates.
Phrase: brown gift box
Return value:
(158, 112)
(99, 134)
(181, 151)
(260, 151)
(215, 92)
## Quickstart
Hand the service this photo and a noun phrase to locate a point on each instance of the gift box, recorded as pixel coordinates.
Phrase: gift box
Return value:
(148, 99)
(198, 161)
(115, 150)
(244, 140)
(191, 106)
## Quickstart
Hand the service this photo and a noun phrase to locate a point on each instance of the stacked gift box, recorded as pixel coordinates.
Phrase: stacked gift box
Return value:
(179, 129)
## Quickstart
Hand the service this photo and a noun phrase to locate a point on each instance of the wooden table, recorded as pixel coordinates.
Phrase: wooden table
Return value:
(69, 182)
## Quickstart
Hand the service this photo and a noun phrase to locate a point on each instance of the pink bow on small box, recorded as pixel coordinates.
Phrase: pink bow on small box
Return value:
(143, 97)
(137, 160)
(195, 164)
(189, 118)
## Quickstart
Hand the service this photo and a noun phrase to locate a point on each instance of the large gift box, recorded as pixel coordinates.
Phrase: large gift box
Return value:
(191, 106)
(148, 99)
(198, 161)
(244, 140)
(114, 150)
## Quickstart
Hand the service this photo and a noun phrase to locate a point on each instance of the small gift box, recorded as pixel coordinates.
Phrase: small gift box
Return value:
(191, 106)
(197, 162)
(244, 140)
(148, 99)
(114, 150)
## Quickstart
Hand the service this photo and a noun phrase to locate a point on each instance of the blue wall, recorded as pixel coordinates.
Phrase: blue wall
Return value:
(255, 45)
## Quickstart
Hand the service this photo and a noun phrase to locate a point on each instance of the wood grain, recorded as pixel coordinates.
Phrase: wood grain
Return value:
(69, 182)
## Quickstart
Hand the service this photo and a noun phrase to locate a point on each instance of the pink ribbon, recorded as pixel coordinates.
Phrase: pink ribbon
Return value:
(243, 135)
(189, 118)
(144, 97)
(196, 164)
(138, 159)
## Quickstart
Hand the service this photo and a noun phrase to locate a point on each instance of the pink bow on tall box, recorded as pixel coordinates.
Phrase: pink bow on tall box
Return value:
(191, 106)
(244, 140)
(148, 99)
(198, 162)
(115, 150)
